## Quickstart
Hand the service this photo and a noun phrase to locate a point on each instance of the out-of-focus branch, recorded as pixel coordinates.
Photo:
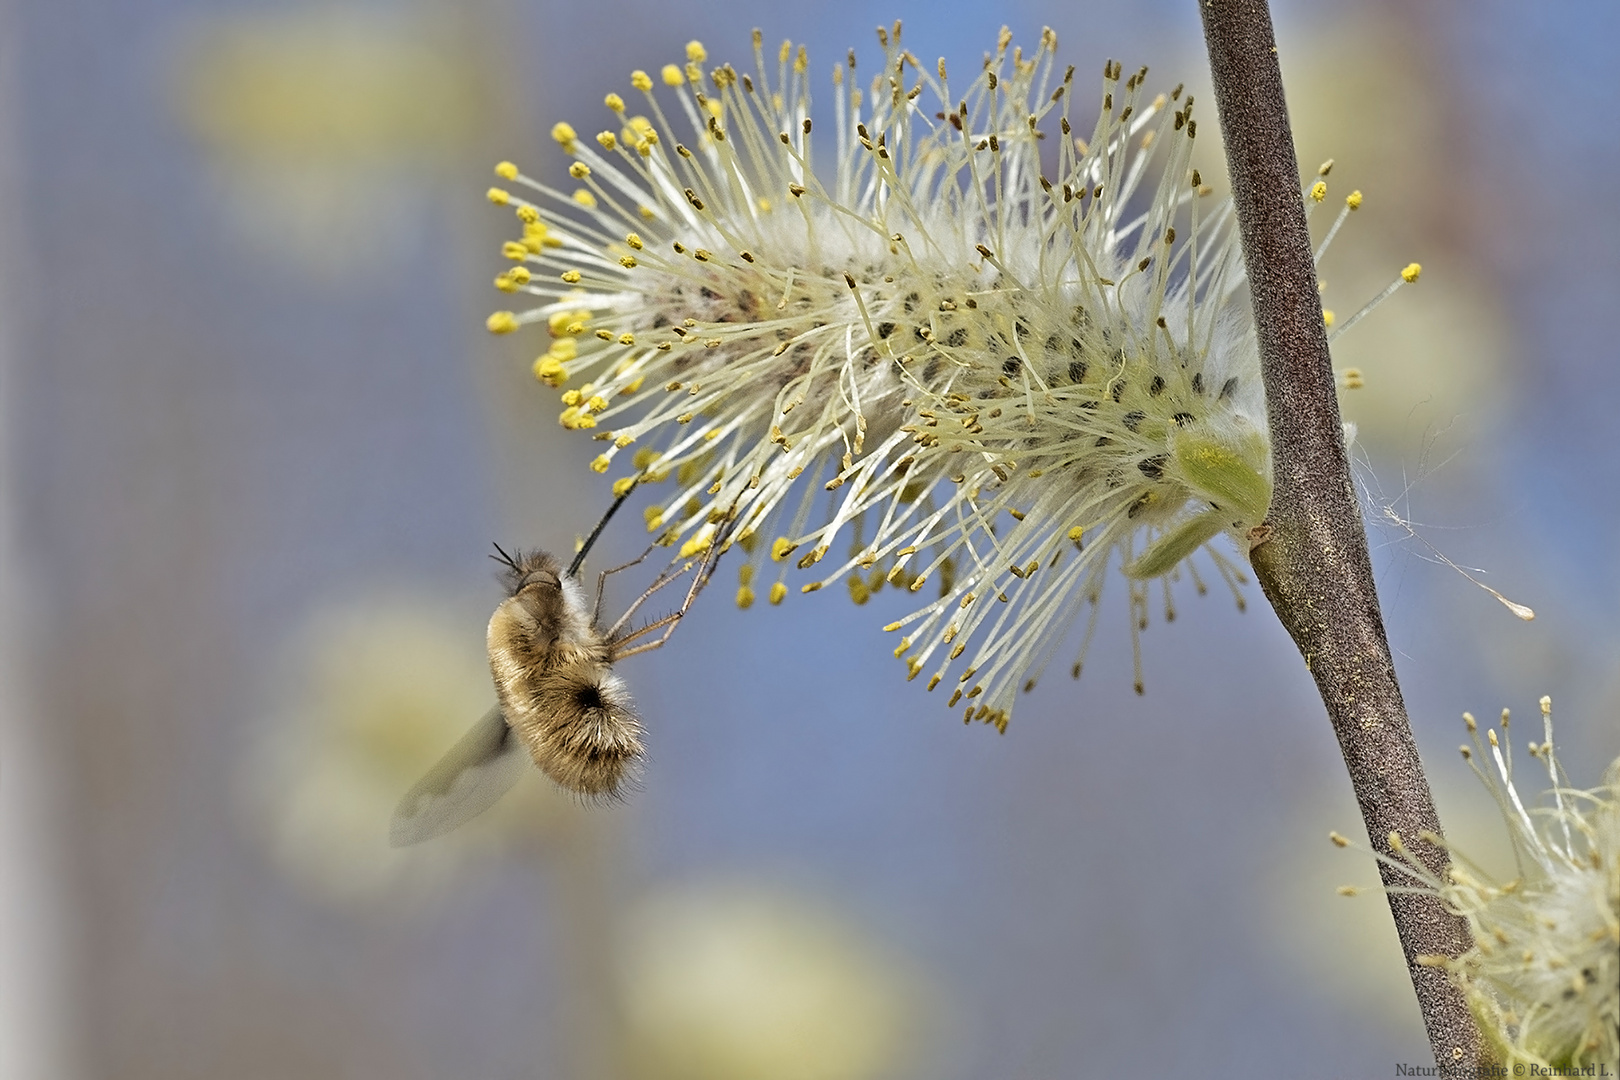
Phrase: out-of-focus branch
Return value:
(1311, 554)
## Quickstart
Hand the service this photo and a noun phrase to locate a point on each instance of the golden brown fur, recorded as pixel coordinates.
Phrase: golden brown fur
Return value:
(554, 677)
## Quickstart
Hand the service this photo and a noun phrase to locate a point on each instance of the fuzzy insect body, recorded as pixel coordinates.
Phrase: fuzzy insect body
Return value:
(560, 703)
(554, 677)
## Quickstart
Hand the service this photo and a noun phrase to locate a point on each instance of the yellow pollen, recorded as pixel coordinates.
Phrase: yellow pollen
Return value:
(1410, 274)
(570, 276)
(634, 241)
(579, 170)
(614, 102)
(549, 371)
(564, 134)
(584, 198)
(1353, 200)
(781, 548)
(695, 52)
(607, 139)
(745, 597)
(622, 486)
(601, 463)
(1319, 191)
(506, 171)
(528, 215)
(672, 75)
(514, 250)
(778, 593)
(641, 80)
(1327, 318)
(501, 322)
(498, 196)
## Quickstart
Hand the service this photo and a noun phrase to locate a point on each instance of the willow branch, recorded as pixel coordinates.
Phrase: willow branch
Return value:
(1311, 555)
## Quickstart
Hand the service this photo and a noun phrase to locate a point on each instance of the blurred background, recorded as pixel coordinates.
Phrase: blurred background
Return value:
(256, 444)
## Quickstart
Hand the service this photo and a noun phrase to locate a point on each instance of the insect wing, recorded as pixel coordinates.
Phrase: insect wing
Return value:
(468, 780)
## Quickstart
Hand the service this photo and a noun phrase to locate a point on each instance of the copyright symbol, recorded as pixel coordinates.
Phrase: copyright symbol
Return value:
(1518, 1070)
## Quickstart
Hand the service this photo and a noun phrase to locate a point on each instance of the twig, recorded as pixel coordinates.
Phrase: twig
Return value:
(1311, 555)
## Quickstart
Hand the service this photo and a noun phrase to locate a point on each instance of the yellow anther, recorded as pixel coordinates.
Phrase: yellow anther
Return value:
(601, 463)
(694, 73)
(501, 322)
(514, 250)
(579, 170)
(814, 586)
(558, 321)
(605, 335)
(1319, 191)
(781, 548)
(627, 339)
(635, 384)
(901, 649)
(564, 134)
(1410, 274)
(505, 283)
(528, 215)
(585, 198)
(622, 486)
(506, 171)
(640, 80)
(563, 349)
(628, 262)
(614, 102)
(498, 196)
(519, 274)
(695, 52)
(634, 241)
(1353, 200)
(586, 420)
(569, 418)
(570, 276)
(596, 403)
(646, 212)
(1327, 318)
(1076, 533)
(745, 597)
(672, 75)
(778, 593)
(1353, 379)
(549, 370)
(572, 397)
(858, 591)
(607, 139)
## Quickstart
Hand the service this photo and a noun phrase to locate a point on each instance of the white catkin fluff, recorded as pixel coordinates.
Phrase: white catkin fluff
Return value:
(1007, 350)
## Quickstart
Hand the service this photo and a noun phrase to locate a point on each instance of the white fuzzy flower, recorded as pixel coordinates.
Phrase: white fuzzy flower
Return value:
(1006, 350)
(1543, 975)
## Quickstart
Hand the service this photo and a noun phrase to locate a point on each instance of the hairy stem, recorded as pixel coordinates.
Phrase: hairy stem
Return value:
(1311, 555)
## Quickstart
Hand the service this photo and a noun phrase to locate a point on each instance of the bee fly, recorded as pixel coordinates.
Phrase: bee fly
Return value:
(559, 698)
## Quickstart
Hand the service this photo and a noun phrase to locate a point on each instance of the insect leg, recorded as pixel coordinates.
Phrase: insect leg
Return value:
(668, 622)
(601, 580)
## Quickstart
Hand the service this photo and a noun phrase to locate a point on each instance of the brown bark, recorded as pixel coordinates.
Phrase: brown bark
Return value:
(1311, 557)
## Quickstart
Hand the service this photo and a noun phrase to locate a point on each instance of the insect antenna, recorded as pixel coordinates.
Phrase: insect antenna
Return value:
(503, 558)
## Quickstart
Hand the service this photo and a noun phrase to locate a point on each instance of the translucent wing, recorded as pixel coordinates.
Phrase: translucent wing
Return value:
(468, 780)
